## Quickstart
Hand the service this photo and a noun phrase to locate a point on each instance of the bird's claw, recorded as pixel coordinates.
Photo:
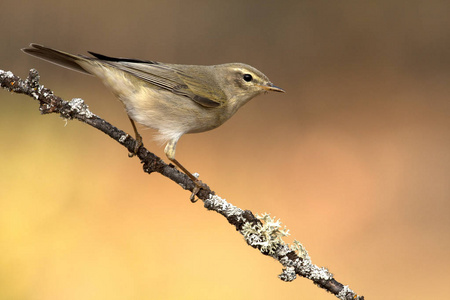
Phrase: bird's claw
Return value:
(136, 147)
(198, 186)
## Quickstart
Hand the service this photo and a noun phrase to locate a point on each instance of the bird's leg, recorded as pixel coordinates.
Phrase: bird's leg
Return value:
(170, 153)
(138, 139)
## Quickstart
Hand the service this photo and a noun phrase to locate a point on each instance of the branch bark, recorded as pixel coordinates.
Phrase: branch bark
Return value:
(260, 232)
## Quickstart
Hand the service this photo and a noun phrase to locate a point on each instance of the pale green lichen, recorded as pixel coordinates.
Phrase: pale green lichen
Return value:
(300, 250)
(267, 235)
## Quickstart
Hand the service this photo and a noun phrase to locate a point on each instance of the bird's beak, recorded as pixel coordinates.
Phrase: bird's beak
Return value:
(272, 88)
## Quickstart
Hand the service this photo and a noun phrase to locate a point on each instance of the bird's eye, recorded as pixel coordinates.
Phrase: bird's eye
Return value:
(248, 77)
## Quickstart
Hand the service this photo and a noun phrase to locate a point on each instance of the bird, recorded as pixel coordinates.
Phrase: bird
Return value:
(174, 99)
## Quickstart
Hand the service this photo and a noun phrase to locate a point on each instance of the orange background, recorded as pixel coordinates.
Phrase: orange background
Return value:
(354, 158)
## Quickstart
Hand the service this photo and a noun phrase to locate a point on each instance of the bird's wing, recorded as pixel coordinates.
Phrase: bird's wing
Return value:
(200, 88)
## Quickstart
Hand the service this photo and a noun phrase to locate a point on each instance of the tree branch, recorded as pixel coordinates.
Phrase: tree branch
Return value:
(260, 232)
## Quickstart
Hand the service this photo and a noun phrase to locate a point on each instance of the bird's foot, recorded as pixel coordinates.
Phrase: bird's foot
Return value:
(198, 186)
(137, 145)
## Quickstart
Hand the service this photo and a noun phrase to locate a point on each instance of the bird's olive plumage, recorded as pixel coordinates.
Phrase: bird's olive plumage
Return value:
(174, 99)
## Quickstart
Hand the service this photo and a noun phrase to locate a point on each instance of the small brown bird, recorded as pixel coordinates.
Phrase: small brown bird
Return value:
(174, 99)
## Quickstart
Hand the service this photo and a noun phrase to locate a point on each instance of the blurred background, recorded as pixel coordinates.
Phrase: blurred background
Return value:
(354, 158)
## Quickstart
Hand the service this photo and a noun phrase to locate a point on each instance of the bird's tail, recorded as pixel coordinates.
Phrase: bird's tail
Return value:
(60, 58)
